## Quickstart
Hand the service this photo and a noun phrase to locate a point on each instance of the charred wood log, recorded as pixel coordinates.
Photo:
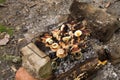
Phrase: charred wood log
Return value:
(82, 71)
(102, 24)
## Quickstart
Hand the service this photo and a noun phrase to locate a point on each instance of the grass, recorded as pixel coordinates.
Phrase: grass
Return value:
(7, 57)
(2, 1)
(5, 29)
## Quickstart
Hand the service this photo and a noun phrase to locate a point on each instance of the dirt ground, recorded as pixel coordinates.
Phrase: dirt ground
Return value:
(30, 17)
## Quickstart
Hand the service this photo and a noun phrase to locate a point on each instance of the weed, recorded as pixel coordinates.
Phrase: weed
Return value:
(2, 1)
(5, 29)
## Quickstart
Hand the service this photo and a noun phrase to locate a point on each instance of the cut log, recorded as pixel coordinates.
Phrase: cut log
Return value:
(36, 62)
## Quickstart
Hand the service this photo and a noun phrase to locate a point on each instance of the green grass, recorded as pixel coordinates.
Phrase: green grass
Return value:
(2, 1)
(5, 29)
(6, 57)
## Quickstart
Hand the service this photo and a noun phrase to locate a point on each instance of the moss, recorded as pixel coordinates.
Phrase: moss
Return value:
(45, 71)
(2, 1)
(5, 29)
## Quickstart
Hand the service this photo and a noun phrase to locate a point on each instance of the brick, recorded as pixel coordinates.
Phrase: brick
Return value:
(22, 74)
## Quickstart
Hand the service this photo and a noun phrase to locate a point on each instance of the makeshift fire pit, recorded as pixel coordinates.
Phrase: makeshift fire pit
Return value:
(67, 51)
(66, 46)
(69, 41)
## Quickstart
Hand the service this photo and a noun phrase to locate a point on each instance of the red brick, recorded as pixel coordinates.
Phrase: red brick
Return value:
(22, 74)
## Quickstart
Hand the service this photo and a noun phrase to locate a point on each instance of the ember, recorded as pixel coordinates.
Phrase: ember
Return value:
(64, 45)
(66, 39)
(70, 44)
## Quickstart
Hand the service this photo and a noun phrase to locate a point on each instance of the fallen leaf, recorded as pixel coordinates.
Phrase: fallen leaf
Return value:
(5, 40)
(108, 4)
(13, 68)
